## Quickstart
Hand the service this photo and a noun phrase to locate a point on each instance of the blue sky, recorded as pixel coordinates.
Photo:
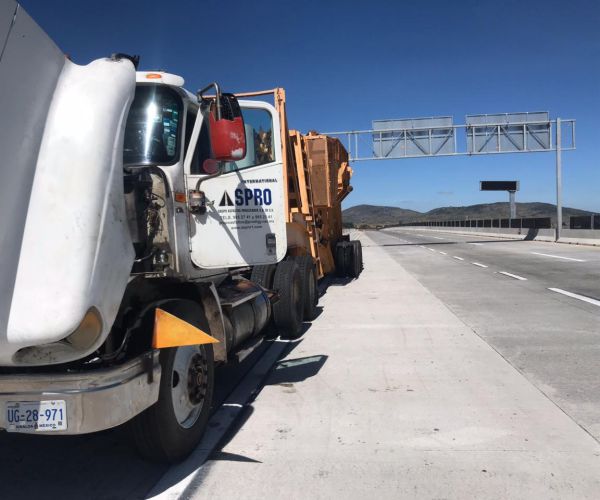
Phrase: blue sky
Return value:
(345, 63)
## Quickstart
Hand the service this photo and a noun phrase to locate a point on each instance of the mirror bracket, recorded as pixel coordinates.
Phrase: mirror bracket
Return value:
(218, 95)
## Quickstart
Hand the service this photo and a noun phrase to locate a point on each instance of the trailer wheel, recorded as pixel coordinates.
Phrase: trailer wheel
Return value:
(310, 291)
(357, 264)
(343, 258)
(287, 311)
(360, 256)
(263, 275)
(168, 431)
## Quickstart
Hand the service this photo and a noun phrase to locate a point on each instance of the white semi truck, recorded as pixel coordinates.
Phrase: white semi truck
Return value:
(146, 235)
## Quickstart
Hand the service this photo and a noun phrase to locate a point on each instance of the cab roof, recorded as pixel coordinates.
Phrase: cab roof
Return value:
(162, 77)
(159, 77)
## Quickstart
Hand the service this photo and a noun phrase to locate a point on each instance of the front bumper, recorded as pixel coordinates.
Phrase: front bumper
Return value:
(96, 399)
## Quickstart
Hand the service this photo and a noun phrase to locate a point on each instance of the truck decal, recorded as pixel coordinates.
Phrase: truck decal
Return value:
(256, 197)
(226, 200)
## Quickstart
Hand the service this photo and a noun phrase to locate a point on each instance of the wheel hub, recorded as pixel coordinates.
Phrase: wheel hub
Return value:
(196, 380)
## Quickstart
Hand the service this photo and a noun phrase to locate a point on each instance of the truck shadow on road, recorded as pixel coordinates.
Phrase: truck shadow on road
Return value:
(286, 373)
(332, 281)
(100, 465)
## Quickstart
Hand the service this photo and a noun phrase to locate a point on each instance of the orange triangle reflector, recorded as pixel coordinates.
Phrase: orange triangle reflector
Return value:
(171, 331)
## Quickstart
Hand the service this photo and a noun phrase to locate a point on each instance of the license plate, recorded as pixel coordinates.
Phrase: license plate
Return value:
(36, 416)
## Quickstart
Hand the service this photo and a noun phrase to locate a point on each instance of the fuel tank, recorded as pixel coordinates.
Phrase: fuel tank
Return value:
(66, 252)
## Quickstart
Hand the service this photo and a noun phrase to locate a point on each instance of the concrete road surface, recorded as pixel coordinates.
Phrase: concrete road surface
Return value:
(430, 377)
(543, 315)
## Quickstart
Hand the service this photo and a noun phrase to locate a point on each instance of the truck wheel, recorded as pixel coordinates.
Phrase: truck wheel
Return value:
(343, 258)
(287, 311)
(263, 275)
(356, 258)
(310, 291)
(168, 431)
(360, 256)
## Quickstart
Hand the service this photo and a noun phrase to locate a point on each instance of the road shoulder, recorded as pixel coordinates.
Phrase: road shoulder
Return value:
(390, 394)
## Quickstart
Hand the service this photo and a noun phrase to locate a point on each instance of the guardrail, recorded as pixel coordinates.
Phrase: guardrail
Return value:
(585, 222)
(519, 223)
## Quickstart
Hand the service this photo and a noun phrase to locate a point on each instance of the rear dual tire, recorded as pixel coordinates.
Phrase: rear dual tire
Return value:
(263, 275)
(295, 280)
(310, 290)
(357, 259)
(288, 310)
(348, 259)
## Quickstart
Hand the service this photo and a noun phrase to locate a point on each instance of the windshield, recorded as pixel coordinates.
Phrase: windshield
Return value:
(152, 130)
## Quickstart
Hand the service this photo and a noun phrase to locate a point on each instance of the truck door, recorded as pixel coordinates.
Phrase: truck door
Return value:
(244, 223)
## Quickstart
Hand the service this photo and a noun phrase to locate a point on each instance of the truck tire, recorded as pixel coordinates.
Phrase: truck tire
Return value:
(168, 431)
(310, 290)
(340, 259)
(287, 311)
(263, 275)
(357, 264)
(343, 258)
(360, 254)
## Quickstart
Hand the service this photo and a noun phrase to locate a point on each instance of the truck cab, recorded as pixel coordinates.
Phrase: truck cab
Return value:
(239, 222)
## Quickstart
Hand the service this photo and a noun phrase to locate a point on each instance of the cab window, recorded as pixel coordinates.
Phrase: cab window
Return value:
(152, 128)
(260, 145)
(260, 142)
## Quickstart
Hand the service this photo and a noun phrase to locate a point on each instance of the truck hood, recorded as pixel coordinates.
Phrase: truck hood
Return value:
(65, 245)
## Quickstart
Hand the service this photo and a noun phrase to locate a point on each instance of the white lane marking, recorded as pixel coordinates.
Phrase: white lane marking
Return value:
(430, 249)
(475, 243)
(421, 246)
(443, 253)
(478, 264)
(558, 257)
(421, 235)
(439, 238)
(457, 258)
(515, 276)
(576, 296)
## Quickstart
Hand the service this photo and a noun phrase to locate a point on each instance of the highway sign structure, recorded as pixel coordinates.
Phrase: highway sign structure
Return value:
(508, 132)
(500, 133)
(414, 137)
(499, 185)
(510, 186)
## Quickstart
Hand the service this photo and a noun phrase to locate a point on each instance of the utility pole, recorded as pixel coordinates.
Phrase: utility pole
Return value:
(513, 205)
(558, 180)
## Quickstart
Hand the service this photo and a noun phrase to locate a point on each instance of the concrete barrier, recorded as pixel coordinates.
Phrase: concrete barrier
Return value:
(570, 236)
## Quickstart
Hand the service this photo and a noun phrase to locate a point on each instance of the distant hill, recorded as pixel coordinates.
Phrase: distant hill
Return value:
(378, 215)
(375, 214)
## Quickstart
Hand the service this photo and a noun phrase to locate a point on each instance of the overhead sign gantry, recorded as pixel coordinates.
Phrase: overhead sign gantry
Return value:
(529, 132)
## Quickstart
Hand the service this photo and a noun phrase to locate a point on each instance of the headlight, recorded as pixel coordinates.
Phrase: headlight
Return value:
(67, 349)
(87, 332)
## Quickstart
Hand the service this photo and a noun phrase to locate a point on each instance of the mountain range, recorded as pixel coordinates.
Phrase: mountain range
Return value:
(373, 215)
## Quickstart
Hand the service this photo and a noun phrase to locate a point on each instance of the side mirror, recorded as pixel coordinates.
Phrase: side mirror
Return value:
(226, 125)
(227, 132)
